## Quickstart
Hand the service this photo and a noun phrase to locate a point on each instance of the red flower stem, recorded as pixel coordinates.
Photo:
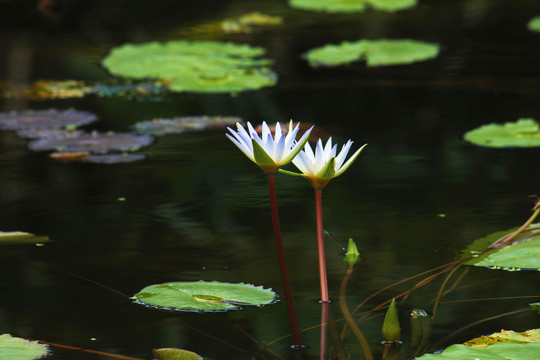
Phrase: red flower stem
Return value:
(320, 245)
(324, 332)
(289, 300)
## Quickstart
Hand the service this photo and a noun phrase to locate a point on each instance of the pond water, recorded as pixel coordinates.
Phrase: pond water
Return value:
(197, 209)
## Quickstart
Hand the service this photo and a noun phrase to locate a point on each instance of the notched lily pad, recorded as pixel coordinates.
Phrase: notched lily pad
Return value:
(44, 119)
(95, 143)
(506, 345)
(522, 255)
(160, 127)
(523, 133)
(21, 349)
(375, 52)
(203, 296)
(198, 66)
(348, 6)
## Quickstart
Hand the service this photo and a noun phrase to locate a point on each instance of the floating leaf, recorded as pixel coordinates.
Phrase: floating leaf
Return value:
(175, 354)
(95, 143)
(247, 22)
(132, 89)
(44, 119)
(523, 133)
(198, 66)
(19, 237)
(347, 6)
(375, 52)
(49, 133)
(535, 306)
(160, 127)
(52, 89)
(522, 255)
(203, 296)
(534, 24)
(21, 349)
(506, 345)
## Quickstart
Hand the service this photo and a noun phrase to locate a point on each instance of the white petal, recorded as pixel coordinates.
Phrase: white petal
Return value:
(350, 161)
(277, 133)
(343, 154)
(252, 133)
(303, 163)
(291, 136)
(270, 146)
(320, 161)
(309, 153)
(266, 132)
(328, 149)
(242, 147)
(279, 150)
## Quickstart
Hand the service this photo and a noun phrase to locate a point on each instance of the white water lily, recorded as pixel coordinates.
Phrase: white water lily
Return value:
(270, 153)
(323, 165)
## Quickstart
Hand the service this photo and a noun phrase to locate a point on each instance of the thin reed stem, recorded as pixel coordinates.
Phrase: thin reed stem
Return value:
(289, 300)
(320, 246)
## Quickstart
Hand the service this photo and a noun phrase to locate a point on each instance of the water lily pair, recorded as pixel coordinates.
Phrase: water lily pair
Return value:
(270, 153)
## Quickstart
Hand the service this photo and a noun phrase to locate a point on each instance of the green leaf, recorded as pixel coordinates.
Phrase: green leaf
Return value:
(329, 170)
(197, 66)
(261, 157)
(18, 237)
(534, 24)
(203, 296)
(347, 6)
(375, 52)
(522, 255)
(175, 354)
(535, 306)
(523, 133)
(506, 345)
(21, 349)
(291, 173)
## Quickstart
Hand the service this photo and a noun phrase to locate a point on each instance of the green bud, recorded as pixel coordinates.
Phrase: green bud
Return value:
(352, 255)
(420, 328)
(390, 330)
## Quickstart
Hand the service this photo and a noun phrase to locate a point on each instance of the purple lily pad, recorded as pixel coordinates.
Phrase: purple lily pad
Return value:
(44, 119)
(94, 143)
(178, 125)
(49, 133)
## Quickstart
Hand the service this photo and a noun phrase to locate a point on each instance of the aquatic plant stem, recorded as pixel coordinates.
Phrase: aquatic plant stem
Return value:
(289, 300)
(324, 330)
(320, 245)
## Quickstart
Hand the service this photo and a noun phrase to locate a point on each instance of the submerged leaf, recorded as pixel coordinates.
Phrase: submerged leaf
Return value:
(203, 296)
(44, 119)
(375, 52)
(21, 349)
(523, 133)
(198, 66)
(346, 6)
(159, 127)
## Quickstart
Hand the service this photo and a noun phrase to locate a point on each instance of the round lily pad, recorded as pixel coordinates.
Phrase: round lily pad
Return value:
(21, 349)
(198, 66)
(347, 6)
(523, 133)
(175, 354)
(95, 143)
(375, 52)
(44, 119)
(49, 133)
(159, 127)
(203, 296)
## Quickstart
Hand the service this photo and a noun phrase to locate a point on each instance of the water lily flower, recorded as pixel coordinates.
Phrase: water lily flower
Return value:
(270, 153)
(323, 165)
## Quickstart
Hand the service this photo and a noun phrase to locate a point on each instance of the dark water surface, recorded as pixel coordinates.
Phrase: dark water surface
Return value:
(197, 209)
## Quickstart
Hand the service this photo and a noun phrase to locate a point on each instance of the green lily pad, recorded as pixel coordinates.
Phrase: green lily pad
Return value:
(523, 133)
(534, 24)
(19, 237)
(175, 354)
(506, 345)
(21, 349)
(375, 52)
(203, 296)
(198, 66)
(348, 6)
(535, 306)
(522, 255)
